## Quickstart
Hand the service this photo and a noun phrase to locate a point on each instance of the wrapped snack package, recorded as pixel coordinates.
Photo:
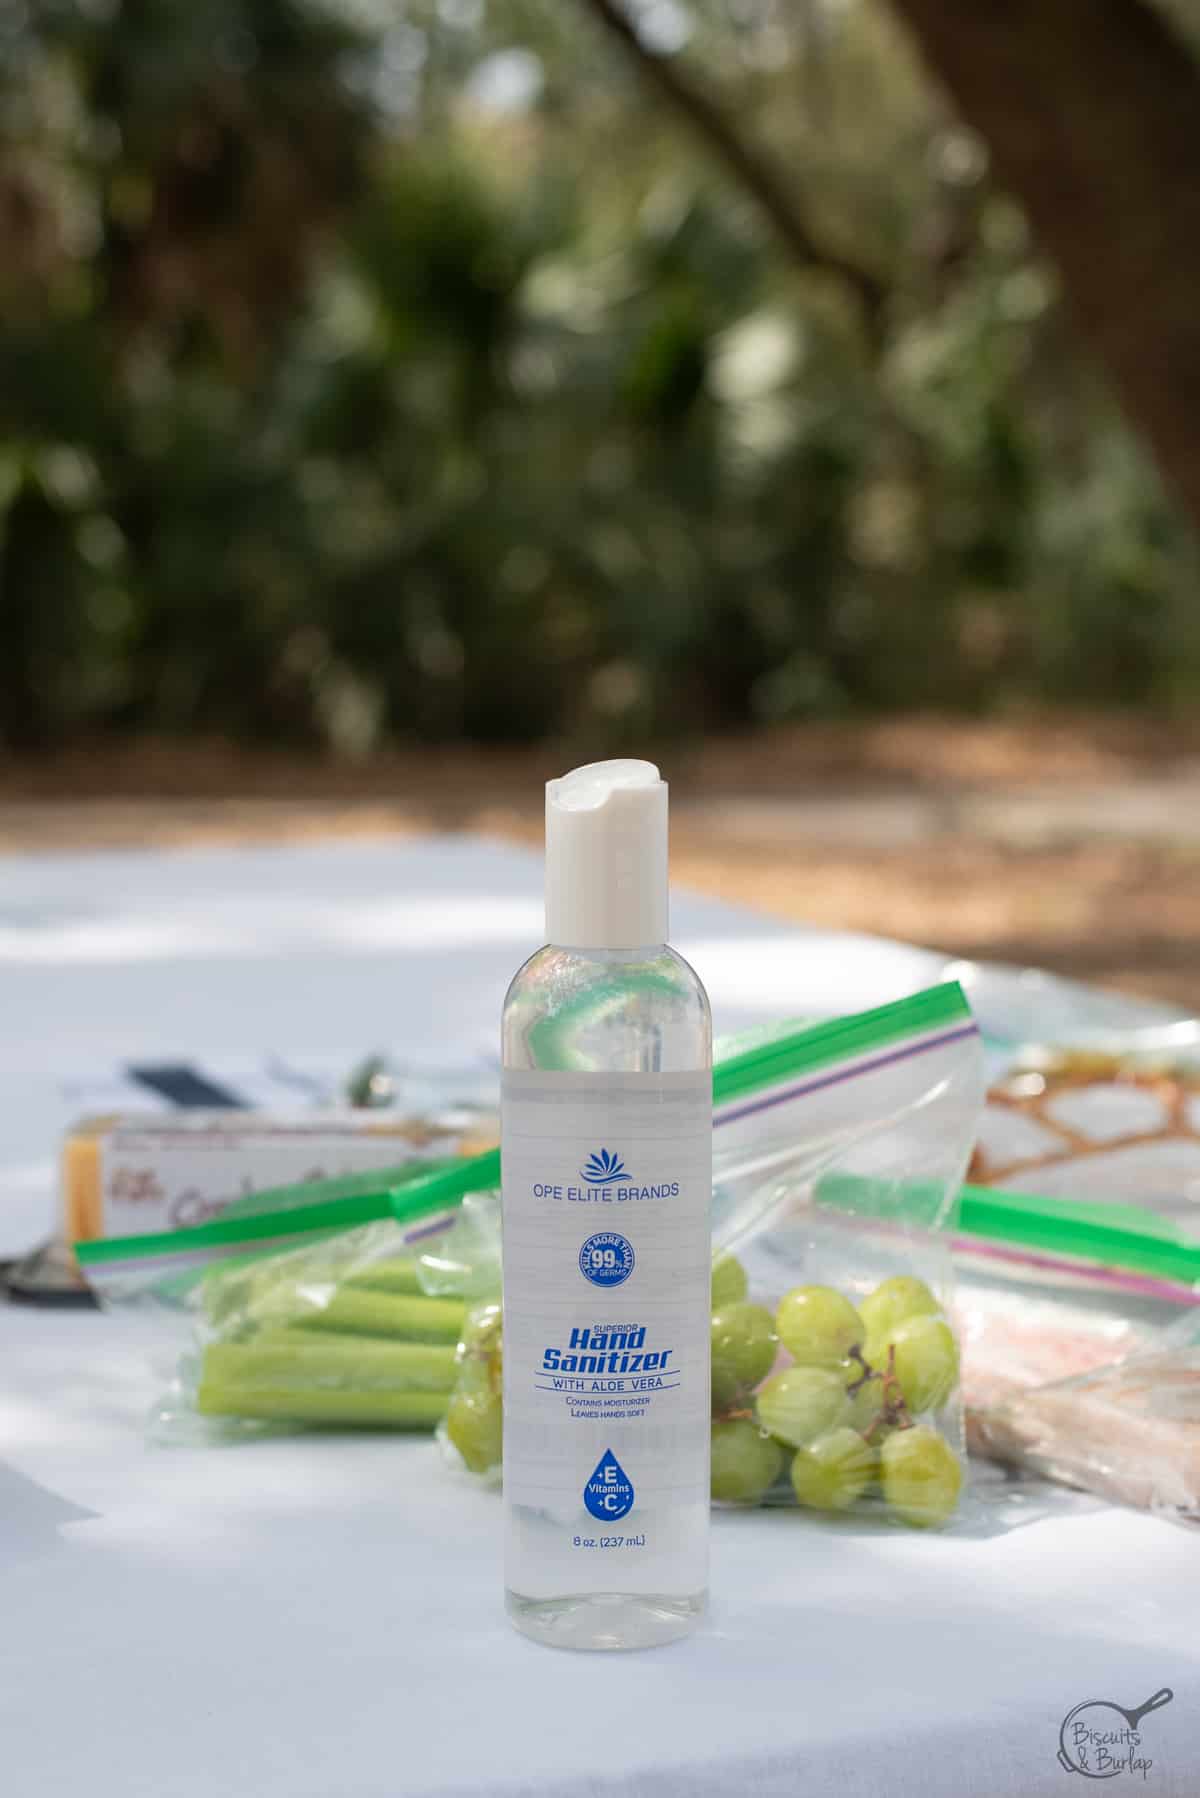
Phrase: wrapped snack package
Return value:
(137, 1174)
(1016, 1335)
(1129, 1431)
(1064, 1283)
(1103, 1125)
(837, 1155)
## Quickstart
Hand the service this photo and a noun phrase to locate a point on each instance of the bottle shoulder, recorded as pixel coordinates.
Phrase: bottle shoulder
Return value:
(607, 1008)
(689, 977)
(660, 967)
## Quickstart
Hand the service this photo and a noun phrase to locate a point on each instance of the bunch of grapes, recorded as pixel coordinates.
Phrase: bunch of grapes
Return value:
(846, 1418)
(849, 1410)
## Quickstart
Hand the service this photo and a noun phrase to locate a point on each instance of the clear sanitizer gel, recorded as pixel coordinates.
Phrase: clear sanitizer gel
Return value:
(606, 1144)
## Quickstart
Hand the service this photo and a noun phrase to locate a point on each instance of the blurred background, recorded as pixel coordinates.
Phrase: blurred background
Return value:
(403, 399)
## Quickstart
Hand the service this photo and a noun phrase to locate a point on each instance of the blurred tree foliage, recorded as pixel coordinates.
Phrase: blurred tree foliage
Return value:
(376, 370)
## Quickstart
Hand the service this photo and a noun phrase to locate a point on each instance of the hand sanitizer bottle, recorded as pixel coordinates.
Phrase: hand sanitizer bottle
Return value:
(606, 1145)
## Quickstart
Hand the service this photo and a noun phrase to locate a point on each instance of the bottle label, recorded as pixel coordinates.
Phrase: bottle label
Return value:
(607, 1278)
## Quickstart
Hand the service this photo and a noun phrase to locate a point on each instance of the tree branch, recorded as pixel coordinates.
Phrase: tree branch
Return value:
(747, 164)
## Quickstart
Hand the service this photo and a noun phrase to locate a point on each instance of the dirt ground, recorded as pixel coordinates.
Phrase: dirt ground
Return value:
(1071, 843)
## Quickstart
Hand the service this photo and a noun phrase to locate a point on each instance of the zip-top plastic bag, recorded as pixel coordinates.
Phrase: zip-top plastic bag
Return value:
(1080, 1328)
(1050, 1287)
(299, 1307)
(1109, 1122)
(1129, 1431)
(1018, 1332)
(838, 1153)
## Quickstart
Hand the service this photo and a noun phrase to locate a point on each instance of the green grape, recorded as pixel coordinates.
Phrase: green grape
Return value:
(801, 1403)
(817, 1326)
(482, 1327)
(744, 1461)
(922, 1476)
(834, 1471)
(743, 1349)
(926, 1363)
(865, 1405)
(475, 1423)
(895, 1300)
(729, 1283)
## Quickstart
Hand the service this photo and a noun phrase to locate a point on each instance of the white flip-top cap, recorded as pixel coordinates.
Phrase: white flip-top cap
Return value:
(606, 857)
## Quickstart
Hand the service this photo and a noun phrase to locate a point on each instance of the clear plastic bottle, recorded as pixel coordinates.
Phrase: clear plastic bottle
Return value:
(607, 1054)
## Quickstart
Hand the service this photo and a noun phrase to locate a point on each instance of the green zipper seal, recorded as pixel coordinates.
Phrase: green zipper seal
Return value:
(341, 1186)
(332, 1214)
(405, 1203)
(367, 1198)
(1123, 1237)
(843, 1038)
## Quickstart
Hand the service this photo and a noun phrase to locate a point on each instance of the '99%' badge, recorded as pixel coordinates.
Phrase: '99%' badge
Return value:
(606, 1258)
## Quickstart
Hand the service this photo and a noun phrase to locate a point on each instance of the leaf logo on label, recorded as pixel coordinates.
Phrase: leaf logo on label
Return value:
(599, 1169)
(608, 1495)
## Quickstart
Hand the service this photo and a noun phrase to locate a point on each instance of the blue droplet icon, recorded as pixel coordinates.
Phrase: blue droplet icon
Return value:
(608, 1495)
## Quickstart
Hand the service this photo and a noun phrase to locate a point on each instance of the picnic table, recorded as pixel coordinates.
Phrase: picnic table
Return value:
(321, 1617)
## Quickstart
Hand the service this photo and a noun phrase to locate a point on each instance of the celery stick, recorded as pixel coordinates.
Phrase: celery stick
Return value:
(268, 1284)
(317, 1292)
(303, 1361)
(397, 1274)
(257, 1284)
(382, 1314)
(369, 1410)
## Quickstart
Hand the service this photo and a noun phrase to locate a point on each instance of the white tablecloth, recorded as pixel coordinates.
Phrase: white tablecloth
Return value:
(322, 1619)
